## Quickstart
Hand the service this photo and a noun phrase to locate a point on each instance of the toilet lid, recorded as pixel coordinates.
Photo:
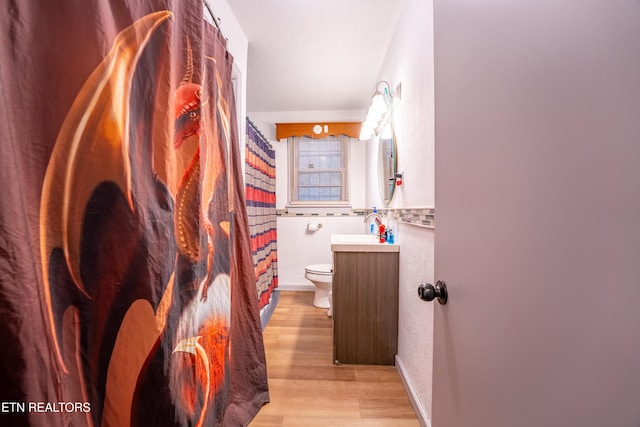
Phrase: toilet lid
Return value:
(319, 268)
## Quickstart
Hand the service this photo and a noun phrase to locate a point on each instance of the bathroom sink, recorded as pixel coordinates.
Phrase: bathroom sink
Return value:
(360, 243)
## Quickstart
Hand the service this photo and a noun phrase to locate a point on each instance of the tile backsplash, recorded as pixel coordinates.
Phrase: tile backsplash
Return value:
(421, 217)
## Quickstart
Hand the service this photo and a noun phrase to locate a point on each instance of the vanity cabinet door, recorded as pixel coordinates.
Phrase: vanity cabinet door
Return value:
(365, 307)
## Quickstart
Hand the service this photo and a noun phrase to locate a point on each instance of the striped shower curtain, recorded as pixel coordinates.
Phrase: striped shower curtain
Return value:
(260, 179)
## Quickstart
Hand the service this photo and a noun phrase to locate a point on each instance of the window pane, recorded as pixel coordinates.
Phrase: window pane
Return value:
(325, 161)
(325, 193)
(314, 178)
(325, 178)
(303, 193)
(303, 179)
(304, 146)
(336, 178)
(314, 162)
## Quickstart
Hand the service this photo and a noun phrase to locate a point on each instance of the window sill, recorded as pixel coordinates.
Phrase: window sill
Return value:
(308, 208)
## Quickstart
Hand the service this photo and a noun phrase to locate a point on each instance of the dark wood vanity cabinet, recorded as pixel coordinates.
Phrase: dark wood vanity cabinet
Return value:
(365, 307)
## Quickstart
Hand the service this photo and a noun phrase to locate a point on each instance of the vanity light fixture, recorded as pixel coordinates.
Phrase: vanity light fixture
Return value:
(387, 131)
(382, 104)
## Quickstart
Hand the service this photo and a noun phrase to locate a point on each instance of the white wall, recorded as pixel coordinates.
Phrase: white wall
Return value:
(296, 247)
(238, 46)
(409, 61)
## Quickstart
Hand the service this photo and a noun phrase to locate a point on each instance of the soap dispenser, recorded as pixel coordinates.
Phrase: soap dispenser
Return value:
(372, 226)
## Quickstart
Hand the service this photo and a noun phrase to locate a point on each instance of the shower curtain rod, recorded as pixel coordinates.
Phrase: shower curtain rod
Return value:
(216, 20)
(255, 128)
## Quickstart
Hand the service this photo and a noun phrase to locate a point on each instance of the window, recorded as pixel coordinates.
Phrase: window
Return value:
(319, 172)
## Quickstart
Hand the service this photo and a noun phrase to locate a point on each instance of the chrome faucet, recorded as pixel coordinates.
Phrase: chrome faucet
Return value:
(375, 216)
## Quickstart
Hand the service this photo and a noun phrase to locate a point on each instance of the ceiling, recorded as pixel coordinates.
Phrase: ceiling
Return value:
(314, 55)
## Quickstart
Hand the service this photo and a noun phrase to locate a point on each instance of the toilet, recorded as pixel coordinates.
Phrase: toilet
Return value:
(321, 275)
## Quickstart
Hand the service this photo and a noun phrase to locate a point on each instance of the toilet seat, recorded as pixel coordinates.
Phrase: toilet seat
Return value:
(320, 269)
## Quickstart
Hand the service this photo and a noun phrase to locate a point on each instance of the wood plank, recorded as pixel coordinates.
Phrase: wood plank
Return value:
(383, 408)
(350, 129)
(308, 390)
(348, 422)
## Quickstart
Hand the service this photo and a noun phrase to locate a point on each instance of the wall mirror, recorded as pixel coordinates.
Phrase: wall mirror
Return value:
(387, 163)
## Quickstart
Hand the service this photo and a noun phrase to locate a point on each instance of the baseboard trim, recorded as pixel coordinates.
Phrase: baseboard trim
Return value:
(421, 412)
(296, 287)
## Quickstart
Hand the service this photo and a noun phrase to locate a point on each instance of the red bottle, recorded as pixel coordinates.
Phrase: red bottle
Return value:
(383, 234)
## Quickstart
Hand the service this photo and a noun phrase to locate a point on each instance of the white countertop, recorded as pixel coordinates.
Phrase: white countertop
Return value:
(360, 243)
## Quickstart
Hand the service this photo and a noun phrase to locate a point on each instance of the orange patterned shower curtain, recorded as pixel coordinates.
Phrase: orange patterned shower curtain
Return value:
(127, 288)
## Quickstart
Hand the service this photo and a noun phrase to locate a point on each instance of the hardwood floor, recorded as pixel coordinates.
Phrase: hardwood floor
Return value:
(308, 390)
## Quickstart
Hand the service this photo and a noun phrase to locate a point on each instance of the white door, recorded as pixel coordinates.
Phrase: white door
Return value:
(537, 132)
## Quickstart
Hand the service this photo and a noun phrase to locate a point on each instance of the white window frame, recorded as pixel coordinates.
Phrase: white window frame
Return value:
(294, 170)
